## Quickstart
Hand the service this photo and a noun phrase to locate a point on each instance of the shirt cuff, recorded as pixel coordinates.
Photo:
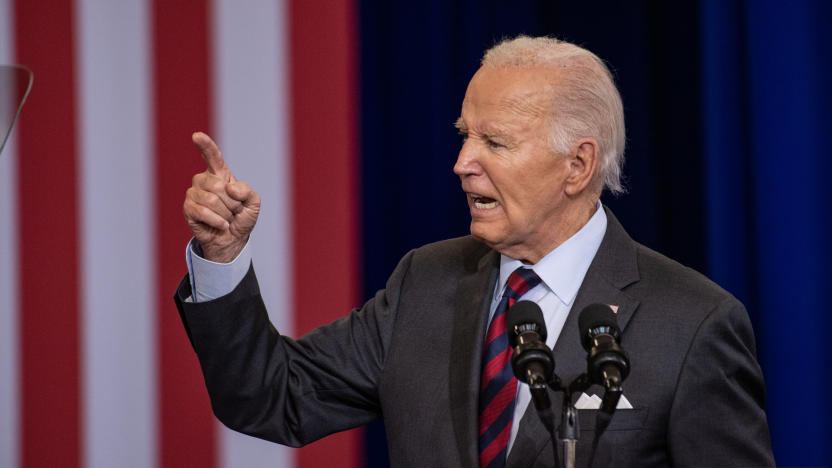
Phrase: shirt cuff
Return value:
(210, 280)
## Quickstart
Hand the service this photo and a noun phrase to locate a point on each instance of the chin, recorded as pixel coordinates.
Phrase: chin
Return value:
(484, 235)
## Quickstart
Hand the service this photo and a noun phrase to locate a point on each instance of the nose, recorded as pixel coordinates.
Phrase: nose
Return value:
(466, 162)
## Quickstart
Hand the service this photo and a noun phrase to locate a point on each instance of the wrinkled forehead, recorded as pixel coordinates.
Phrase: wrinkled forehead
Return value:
(529, 91)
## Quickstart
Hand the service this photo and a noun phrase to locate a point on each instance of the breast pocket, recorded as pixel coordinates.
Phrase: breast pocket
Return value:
(622, 419)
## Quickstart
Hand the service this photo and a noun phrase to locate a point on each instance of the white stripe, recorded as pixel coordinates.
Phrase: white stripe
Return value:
(117, 232)
(251, 118)
(9, 369)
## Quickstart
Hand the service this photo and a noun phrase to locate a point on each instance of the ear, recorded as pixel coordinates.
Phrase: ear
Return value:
(582, 165)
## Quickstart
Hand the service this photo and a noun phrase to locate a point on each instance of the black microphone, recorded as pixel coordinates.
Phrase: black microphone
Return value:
(533, 362)
(607, 363)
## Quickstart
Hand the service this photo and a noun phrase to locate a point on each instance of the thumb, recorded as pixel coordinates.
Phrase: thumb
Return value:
(242, 192)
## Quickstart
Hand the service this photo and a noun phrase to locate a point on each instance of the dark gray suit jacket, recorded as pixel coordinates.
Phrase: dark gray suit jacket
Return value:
(411, 355)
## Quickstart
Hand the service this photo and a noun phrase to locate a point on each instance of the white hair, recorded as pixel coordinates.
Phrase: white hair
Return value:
(586, 101)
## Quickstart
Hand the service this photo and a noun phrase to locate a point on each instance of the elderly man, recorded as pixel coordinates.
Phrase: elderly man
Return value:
(544, 136)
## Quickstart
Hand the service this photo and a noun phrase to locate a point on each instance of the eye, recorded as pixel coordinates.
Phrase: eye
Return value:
(493, 144)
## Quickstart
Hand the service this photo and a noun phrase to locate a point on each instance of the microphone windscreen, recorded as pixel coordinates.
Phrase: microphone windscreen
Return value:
(596, 316)
(528, 315)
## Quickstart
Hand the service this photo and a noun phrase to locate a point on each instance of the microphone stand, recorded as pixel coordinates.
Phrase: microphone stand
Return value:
(569, 430)
(540, 397)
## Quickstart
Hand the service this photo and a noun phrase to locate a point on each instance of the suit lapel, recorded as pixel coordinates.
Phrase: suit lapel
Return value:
(613, 268)
(470, 315)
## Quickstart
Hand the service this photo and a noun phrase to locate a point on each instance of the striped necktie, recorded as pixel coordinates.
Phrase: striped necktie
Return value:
(498, 386)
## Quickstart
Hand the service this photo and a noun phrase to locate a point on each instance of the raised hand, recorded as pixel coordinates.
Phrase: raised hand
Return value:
(221, 211)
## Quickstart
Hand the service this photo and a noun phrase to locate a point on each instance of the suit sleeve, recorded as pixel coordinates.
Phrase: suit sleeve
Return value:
(290, 391)
(718, 414)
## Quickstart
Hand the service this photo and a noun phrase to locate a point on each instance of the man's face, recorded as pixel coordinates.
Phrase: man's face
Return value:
(512, 179)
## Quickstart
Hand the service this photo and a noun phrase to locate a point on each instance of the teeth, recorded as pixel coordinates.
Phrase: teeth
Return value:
(482, 205)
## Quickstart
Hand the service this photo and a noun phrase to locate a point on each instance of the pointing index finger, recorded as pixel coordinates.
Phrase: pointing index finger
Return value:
(210, 153)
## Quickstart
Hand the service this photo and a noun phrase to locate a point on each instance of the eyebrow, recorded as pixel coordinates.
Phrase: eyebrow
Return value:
(460, 124)
(488, 132)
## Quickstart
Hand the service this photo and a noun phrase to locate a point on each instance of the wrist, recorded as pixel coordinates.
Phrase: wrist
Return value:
(223, 254)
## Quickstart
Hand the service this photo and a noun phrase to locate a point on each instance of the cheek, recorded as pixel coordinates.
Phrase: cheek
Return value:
(521, 202)
(529, 208)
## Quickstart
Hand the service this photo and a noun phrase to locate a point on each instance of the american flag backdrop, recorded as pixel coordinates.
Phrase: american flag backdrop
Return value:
(95, 367)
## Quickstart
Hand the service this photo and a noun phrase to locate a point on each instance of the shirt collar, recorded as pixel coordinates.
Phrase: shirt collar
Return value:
(563, 269)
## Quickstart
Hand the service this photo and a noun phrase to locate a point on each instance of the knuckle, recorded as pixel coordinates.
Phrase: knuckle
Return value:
(213, 200)
(188, 210)
(216, 186)
(210, 197)
(204, 213)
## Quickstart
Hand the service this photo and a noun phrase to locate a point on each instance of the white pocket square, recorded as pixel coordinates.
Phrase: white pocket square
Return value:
(594, 402)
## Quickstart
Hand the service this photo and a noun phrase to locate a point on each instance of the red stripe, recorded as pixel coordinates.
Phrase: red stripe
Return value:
(494, 366)
(322, 53)
(497, 405)
(182, 71)
(497, 327)
(517, 284)
(494, 448)
(48, 233)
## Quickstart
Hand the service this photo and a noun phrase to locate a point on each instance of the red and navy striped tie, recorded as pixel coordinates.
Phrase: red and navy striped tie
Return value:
(498, 386)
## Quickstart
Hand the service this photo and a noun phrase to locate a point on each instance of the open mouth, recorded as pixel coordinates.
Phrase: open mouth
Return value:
(483, 203)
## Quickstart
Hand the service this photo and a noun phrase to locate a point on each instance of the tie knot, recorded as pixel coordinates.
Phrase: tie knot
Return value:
(520, 282)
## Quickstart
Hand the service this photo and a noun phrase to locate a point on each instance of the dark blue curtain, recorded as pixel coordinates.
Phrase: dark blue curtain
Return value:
(727, 106)
(768, 118)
